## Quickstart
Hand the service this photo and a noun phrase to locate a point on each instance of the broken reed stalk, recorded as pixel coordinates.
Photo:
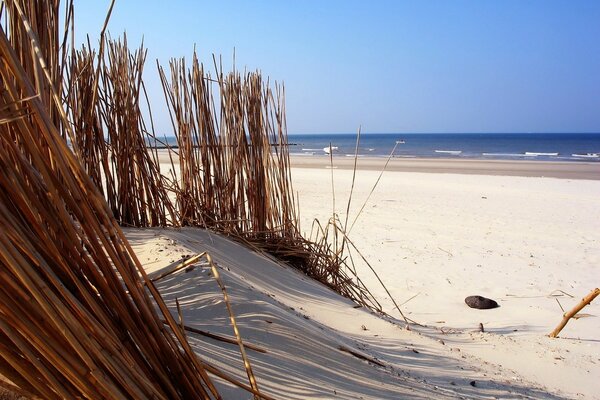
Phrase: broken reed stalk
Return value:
(567, 316)
(361, 356)
(184, 264)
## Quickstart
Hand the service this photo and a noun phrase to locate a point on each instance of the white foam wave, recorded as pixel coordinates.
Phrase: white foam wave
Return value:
(534, 154)
(587, 155)
(453, 152)
(503, 154)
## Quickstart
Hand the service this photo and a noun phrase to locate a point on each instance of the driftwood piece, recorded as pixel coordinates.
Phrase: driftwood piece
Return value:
(567, 316)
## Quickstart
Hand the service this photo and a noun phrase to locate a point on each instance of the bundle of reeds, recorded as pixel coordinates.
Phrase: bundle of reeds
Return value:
(74, 315)
(42, 20)
(234, 170)
(229, 178)
(79, 318)
(140, 196)
(82, 105)
(104, 97)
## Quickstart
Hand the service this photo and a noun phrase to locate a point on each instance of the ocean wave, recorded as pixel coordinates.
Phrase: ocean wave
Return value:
(534, 154)
(453, 152)
(587, 155)
(503, 154)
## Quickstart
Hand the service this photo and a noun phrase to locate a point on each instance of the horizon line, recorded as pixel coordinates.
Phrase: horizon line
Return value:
(448, 133)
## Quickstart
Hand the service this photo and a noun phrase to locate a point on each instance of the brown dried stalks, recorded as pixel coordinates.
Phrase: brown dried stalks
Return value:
(79, 317)
(141, 198)
(234, 170)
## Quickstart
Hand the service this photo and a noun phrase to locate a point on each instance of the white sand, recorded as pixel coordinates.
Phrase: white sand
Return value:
(526, 242)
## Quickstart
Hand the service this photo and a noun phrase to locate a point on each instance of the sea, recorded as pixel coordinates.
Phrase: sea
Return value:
(575, 147)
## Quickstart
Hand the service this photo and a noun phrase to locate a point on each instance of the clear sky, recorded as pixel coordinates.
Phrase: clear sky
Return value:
(390, 66)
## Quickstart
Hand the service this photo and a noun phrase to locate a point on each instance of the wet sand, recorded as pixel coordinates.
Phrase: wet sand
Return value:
(550, 169)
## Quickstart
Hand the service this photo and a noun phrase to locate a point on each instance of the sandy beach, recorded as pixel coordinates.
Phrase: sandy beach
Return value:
(528, 242)
(549, 169)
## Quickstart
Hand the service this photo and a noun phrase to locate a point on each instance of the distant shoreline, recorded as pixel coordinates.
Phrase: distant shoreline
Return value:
(548, 169)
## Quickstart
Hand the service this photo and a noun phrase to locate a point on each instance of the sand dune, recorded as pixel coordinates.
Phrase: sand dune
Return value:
(302, 325)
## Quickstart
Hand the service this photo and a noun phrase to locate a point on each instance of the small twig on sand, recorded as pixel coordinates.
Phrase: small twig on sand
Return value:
(567, 316)
(446, 251)
(221, 338)
(560, 305)
(409, 299)
(182, 265)
(361, 356)
(553, 293)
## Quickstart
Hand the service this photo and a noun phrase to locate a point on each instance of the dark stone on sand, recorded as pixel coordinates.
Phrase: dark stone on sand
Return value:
(480, 302)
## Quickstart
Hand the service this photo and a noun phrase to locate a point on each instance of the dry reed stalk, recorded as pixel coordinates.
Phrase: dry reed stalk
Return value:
(567, 316)
(224, 339)
(236, 331)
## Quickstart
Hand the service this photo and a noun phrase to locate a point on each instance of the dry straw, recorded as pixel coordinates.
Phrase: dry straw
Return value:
(76, 319)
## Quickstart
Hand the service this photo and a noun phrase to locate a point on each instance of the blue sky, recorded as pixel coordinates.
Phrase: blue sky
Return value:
(390, 66)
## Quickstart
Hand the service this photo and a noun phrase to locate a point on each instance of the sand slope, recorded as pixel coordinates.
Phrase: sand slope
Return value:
(301, 325)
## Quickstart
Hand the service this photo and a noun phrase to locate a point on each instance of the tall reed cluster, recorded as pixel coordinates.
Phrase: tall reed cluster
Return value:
(43, 18)
(234, 169)
(234, 165)
(105, 98)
